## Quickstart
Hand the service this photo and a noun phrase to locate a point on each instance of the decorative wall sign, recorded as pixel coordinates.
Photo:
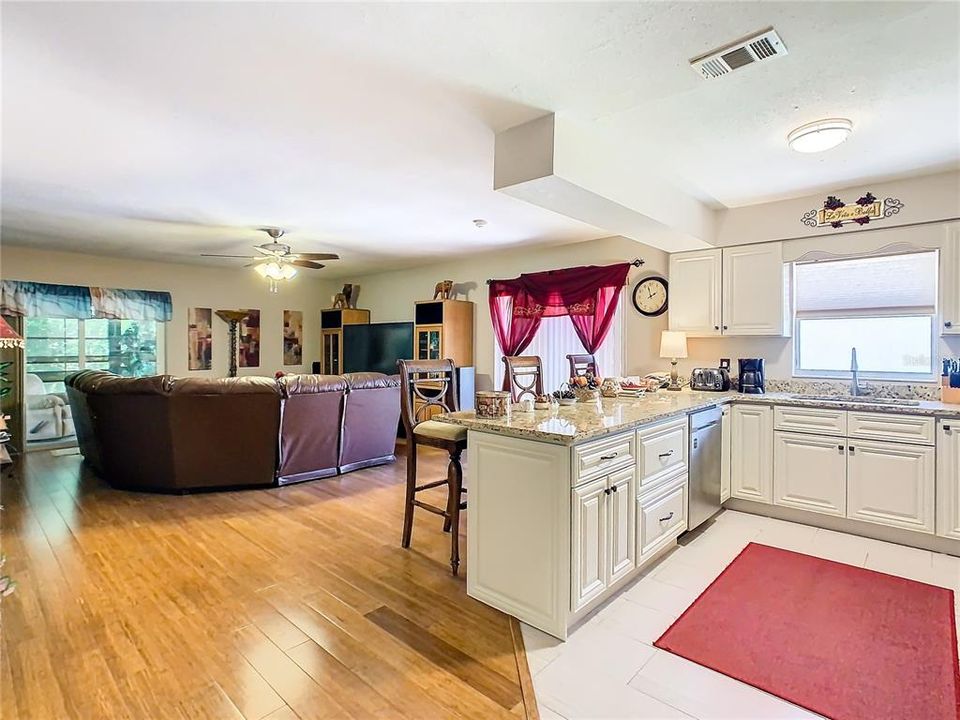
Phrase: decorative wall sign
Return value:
(292, 337)
(836, 213)
(199, 337)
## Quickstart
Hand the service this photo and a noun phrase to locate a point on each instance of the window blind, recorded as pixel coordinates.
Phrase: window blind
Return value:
(888, 285)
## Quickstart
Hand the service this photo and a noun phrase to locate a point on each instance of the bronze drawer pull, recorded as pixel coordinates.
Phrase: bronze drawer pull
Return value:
(668, 517)
(614, 488)
(666, 454)
(609, 457)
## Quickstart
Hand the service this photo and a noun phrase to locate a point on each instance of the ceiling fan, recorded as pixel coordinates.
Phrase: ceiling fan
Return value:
(277, 261)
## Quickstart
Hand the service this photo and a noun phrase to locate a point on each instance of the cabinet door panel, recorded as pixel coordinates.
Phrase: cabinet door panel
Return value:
(695, 292)
(950, 282)
(589, 542)
(621, 524)
(753, 294)
(810, 473)
(891, 484)
(751, 463)
(725, 453)
(948, 479)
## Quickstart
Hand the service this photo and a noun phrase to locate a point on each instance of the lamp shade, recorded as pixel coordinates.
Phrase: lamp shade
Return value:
(8, 336)
(673, 344)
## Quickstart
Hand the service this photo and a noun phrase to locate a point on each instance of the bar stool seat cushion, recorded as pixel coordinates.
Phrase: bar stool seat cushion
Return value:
(441, 430)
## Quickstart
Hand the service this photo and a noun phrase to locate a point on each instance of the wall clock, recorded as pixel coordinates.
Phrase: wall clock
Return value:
(650, 296)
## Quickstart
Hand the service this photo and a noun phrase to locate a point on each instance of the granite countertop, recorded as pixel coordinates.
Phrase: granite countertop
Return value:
(572, 424)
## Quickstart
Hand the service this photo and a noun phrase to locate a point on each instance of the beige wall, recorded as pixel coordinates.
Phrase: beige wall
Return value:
(390, 295)
(924, 198)
(190, 286)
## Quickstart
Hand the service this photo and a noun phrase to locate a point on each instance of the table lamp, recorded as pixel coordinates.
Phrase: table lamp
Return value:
(673, 345)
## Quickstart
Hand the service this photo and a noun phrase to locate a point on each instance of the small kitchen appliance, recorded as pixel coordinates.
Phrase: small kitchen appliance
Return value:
(751, 376)
(710, 379)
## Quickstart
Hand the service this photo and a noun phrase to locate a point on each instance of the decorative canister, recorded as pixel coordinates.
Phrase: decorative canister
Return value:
(610, 387)
(491, 403)
(586, 395)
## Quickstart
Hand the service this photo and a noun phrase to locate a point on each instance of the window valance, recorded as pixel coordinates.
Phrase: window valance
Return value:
(587, 295)
(33, 299)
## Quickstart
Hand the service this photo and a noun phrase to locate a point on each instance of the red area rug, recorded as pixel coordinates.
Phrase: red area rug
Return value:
(848, 643)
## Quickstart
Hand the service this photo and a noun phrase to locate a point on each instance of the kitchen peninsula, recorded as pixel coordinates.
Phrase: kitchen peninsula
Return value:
(567, 506)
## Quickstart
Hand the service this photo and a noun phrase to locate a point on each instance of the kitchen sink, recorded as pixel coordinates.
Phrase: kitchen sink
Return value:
(866, 399)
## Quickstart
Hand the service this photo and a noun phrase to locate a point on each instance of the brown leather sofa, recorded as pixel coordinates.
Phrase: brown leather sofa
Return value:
(171, 434)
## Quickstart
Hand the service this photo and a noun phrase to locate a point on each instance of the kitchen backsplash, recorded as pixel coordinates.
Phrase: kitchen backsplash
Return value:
(841, 388)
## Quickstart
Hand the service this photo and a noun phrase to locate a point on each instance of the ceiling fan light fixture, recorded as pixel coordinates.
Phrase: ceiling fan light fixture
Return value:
(820, 135)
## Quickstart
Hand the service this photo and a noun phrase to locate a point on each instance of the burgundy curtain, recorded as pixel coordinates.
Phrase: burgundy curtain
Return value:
(587, 294)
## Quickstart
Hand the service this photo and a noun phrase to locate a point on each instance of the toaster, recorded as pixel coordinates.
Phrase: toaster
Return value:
(710, 379)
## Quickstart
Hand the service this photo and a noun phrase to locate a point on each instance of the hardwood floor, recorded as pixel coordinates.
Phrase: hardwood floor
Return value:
(293, 602)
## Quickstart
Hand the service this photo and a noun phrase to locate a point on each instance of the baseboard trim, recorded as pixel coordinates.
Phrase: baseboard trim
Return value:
(853, 527)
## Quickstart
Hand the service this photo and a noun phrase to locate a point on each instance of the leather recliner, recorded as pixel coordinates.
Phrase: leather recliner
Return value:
(310, 427)
(370, 420)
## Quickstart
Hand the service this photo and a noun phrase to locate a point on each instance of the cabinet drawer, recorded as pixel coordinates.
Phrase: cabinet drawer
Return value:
(900, 428)
(661, 516)
(818, 421)
(662, 450)
(601, 456)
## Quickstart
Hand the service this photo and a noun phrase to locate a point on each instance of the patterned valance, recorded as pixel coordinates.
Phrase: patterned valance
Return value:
(33, 299)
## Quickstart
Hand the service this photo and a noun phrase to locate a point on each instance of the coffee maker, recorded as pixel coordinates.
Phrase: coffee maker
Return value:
(751, 376)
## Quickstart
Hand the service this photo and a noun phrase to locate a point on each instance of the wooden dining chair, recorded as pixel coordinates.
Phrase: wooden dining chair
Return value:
(525, 375)
(583, 364)
(426, 387)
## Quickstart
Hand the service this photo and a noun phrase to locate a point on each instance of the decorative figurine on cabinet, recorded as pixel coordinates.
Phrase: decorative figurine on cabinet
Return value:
(344, 299)
(443, 290)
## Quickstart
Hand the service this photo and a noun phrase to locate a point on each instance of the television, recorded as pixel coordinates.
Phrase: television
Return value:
(376, 347)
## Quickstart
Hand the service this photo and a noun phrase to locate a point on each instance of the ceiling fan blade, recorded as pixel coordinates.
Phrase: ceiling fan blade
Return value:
(242, 257)
(317, 256)
(306, 264)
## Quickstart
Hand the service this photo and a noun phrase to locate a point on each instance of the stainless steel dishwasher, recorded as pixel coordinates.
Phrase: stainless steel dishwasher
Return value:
(705, 449)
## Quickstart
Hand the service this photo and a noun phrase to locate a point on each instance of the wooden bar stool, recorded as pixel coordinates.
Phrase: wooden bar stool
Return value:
(525, 374)
(428, 386)
(583, 364)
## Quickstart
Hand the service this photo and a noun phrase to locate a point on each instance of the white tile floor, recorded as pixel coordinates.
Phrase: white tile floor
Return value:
(608, 668)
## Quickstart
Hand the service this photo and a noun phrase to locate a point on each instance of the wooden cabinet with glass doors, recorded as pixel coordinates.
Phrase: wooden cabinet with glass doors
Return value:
(444, 329)
(331, 336)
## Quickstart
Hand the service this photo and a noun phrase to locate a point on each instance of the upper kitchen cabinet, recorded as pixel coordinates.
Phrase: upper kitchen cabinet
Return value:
(949, 282)
(695, 292)
(753, 290)
(734, 291)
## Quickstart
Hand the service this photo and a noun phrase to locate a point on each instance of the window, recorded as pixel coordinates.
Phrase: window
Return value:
(556, 338)
(58, 346)
(885, 307)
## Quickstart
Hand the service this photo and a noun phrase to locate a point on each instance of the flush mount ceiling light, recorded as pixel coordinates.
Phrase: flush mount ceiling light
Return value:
(820, 135)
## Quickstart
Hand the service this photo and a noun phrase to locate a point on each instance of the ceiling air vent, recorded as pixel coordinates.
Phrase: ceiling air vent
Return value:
(746, 51)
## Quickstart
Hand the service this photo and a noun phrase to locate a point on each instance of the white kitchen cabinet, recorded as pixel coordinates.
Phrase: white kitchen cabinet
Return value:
(734, 291)
(751, 461)
(753, 294)
(948, 479)
(621, 524)
(589, 542)
(726, 445)
(696, 292)
(604, 534)
(661, 516)
(891, 484)
(949, 282)
(810, 472)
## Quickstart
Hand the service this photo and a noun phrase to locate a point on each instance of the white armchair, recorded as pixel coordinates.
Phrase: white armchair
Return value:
(47, 414)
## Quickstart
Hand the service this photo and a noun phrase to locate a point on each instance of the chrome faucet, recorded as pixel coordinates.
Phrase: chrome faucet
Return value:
(855, 388)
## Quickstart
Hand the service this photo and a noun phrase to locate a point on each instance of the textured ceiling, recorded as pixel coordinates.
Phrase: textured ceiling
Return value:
(166, 130)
